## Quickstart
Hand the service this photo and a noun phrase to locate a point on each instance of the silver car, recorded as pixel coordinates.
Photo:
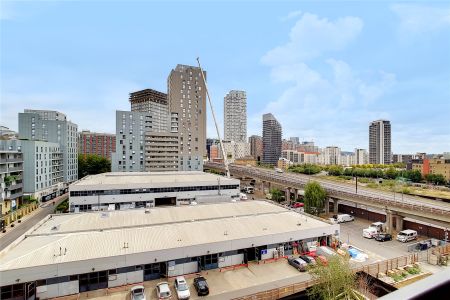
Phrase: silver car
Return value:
(137, 293)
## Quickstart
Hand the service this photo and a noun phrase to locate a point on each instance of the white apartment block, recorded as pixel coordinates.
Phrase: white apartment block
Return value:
(347, 159)
(235, 150)
(297, 157)
(332, 155)
(235, 116)
(361, 157)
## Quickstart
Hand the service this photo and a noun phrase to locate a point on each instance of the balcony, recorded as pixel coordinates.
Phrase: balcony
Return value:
(15, 160)
(15, 186)
(13, 169)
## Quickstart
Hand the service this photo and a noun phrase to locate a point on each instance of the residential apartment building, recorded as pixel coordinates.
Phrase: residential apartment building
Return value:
(11, 176)
(41, 167)
(187, 105)
(402, 158)
(295, 140)
(332, 155)
(54, 127)
(235, 116)
(380, 142)
(209, 143)
(101, 144)
(287, 145)
(131, 128)
(152, 102)
(272, 134)
(214, 152)
(7, 134)
(256, 147)
(361, 157)
(307, 147)
(234, 150)
(161, 151)
(347, 159)
(432, 166)
(297, 157)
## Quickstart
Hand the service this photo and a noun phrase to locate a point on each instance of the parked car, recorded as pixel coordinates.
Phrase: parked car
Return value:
(344, 218)
(182, 288)
(163, 291)
(382, 237)
(370, 232)
(298, 263)
(137, 293)
(309, 259)
(325, 251)
(320, 259)
(298, 205)
(201, 286)
(406, 235)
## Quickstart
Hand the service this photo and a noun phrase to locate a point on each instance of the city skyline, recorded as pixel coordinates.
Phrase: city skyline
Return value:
(333, 87)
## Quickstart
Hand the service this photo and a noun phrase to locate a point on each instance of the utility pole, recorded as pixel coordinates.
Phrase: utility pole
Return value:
(225, 161)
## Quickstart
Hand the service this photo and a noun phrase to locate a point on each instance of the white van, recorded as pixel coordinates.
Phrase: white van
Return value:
(370, 233)
(344, 218)
(406, 235)
(242, 196)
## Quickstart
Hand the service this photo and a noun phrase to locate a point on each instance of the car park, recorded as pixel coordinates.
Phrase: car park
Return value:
(137, 293)
(163, 291)
(182, 288)
(201, 286)
(309, 259)
(383, 237)
(325, 251)
(406, 235)
(298, 263)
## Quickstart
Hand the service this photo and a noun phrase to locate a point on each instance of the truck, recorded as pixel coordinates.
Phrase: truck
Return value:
(373, 230)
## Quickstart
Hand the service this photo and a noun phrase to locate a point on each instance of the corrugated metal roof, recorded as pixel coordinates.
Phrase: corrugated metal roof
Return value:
(37, 250)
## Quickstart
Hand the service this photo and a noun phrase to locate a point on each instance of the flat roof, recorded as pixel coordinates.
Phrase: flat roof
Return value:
(173, 178)
(86, 236)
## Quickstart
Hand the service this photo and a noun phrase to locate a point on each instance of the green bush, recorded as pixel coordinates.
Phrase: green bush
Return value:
(413, 270)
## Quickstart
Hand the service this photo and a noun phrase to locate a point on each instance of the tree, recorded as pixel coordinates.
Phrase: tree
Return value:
(390, 173)
(334, 281)
(314, 197)
(437, 179)
(335, 170)
(413, 175)
(92, 164)
(277, 195)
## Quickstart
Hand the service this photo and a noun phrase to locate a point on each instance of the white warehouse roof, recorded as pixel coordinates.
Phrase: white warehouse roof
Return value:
(83, 241)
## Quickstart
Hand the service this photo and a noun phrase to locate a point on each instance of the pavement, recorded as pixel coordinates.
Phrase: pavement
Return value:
(28, 221)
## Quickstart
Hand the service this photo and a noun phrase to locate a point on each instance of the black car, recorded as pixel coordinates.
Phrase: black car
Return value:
(201, 286)
(382, 237)
(310, 260)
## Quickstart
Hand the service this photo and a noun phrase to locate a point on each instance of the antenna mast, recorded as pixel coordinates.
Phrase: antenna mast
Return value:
(225, 161)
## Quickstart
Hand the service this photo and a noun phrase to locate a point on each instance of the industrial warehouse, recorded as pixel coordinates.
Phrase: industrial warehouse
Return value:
(120, 190)
(77, 252)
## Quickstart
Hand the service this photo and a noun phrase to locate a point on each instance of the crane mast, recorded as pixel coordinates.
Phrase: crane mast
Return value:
(225, 161)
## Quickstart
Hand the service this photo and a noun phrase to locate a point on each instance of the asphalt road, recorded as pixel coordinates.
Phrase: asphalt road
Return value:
(13, 233)
(352, 232)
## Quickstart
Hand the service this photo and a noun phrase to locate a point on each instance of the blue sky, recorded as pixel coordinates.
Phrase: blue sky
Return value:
(324, 69)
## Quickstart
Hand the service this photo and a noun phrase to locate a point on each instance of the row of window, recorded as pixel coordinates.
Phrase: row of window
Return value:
(153, 190)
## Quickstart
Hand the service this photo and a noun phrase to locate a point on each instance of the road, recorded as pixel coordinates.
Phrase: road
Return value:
(14, 233)
(351, 232)
(301, 179)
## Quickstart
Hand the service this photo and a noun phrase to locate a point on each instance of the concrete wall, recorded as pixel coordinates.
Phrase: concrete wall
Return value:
(125, 278)
(231, 260)
(180, 269)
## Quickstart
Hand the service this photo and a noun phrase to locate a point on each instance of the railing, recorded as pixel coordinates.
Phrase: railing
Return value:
(372, 269)
(301, 182)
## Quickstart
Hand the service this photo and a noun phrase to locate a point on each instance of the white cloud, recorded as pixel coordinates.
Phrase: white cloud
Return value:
(420, 19)
(292, 15)
(312, 36)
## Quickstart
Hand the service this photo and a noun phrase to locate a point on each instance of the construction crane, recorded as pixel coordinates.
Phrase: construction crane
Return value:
(225, 161)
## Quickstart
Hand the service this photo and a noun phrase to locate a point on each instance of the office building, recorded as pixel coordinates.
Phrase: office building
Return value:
(361, 157)
(130, 138)
(161, 151)
(132, 246)
(53, 127)
(272, 134)
(235, 116)
(101, 144)
(380, 142)
(332, 155)
(234, 150)
(295, 140)
(154, 103)
(187, 105)
(11, 176)
(119, 191)
(256, 147)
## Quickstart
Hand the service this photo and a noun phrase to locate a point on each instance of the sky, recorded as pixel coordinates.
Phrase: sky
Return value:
(325, 69)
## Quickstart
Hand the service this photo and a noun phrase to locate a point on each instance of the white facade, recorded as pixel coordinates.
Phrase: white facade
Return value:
(332, 155)
(297, 157)
(361, 157)
(120, 191)
(235, 116)
(235, 150)
(347, 159)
